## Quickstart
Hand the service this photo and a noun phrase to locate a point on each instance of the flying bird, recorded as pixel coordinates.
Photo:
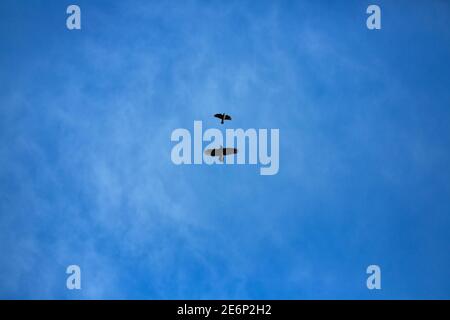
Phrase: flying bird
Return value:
(222, 116)
(220, 152)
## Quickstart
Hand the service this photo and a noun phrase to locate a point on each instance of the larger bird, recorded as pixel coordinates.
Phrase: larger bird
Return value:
(222, 116)
(220, 152)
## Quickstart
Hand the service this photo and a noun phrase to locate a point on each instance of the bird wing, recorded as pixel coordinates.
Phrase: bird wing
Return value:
(218, 115)
(227, 117)
(227, 151)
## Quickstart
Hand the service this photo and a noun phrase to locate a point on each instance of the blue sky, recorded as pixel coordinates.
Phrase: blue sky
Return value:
(85, 170)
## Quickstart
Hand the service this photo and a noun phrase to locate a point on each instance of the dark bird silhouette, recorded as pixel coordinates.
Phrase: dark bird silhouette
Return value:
(222, 116)
(220, 152)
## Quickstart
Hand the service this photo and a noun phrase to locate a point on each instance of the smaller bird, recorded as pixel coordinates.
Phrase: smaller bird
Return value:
(222, 116)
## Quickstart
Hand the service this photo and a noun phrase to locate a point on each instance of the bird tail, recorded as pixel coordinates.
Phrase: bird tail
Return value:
(221, 121)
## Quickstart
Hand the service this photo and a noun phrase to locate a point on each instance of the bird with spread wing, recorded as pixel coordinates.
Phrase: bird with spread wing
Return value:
(222, 116)
(221, 152)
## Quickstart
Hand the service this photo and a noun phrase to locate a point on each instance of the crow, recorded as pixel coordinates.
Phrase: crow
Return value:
(222, 117)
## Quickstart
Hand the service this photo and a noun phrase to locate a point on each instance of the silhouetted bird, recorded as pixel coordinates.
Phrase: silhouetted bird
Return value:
(220, 152)
(222, 117)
